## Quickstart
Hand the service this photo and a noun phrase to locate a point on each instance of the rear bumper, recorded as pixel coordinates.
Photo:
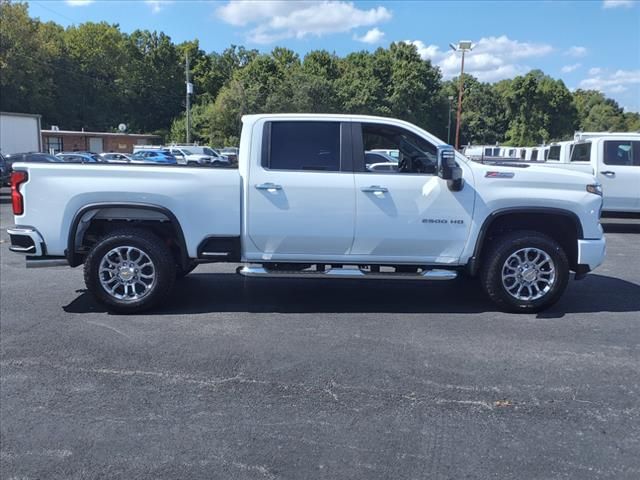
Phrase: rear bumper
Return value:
(591, 253)
(26, 240)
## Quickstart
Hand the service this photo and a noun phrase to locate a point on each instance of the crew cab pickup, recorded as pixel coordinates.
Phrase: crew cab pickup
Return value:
(614, 159)
(302, 204)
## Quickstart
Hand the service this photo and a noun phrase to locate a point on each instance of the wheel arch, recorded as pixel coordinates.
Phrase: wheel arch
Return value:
(135, 211)
(562, 225)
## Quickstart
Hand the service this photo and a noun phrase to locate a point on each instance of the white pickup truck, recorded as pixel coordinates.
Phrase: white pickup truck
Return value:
(614, 159)
(303, 204)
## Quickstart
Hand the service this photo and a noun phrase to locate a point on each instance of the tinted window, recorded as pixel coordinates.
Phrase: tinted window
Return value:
(415, 154)
(304, 146)
(487, 152)
(534, 154)
(622, 152)
(581, 152)
(554, 153)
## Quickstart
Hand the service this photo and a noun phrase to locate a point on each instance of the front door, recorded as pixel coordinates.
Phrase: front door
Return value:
(406, 214)
(301, 201)
(619, 174)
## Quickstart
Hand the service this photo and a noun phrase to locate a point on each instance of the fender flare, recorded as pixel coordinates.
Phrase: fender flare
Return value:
(74, 258)
(474, 263)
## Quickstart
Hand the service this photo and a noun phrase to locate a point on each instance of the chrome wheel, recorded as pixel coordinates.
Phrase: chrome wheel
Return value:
(127, 273)
(528, 274)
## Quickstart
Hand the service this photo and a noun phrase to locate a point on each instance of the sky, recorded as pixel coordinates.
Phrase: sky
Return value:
(590, 44)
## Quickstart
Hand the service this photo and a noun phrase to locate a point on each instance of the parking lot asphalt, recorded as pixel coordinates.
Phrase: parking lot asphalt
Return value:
(265, 379)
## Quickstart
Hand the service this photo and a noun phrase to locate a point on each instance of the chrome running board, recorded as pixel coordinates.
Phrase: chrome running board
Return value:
(256, 271)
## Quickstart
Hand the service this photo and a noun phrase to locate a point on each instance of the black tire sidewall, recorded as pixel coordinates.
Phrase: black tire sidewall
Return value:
(492, 273)
(153, 247)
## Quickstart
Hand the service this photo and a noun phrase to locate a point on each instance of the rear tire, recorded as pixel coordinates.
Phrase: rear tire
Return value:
(525, 271)
(130, 270)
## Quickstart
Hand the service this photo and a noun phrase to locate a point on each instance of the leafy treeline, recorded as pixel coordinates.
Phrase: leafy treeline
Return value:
(94, 76)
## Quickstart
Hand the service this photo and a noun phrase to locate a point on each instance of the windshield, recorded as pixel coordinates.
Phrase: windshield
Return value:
(210, 151)
(185, 152)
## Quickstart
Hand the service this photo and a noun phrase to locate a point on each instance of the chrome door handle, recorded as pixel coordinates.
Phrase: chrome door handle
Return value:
(268, 186)
(374, 189)
(609, 174)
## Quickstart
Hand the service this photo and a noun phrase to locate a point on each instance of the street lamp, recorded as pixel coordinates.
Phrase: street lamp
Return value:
(449, 124)
(463, 46)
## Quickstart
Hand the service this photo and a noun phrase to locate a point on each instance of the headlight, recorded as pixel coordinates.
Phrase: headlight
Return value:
(595, 188)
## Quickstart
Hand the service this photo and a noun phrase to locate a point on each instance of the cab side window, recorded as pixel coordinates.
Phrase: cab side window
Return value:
(581, 152)
(622, 152)
(302, 146)
(391, 149)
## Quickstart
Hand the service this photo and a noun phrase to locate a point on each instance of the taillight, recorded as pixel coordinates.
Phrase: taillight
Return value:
(17, 200)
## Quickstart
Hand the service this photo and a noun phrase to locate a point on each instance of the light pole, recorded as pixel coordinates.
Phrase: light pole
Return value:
(449, 124)
(463, 46)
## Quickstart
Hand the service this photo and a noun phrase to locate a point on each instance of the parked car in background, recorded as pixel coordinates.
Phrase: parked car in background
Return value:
(9, 160)
(377, 161)
(80, 157)
(230, 153)
(216, 158)
(186, 156)
(113, 157)
(614, 159)
(560, 151)
(392, 152)
(161, 157)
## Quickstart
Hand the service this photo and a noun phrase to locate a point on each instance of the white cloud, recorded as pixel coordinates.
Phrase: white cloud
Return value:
(576, 52)
(372, 36)
(593, 71)
(615, 82)
(157, 5)
(617, 3)
(492, 59)
(277, 20)
(78, 3)
(570, 68)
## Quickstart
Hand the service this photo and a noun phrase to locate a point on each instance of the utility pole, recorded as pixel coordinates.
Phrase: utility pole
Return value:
(189, 92)
(463, 46)
(449, 124)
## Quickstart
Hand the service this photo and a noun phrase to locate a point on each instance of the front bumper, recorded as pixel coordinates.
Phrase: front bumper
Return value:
(591, 253)
(26, 240)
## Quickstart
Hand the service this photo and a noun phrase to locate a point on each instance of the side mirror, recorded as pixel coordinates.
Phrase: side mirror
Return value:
(448, 169)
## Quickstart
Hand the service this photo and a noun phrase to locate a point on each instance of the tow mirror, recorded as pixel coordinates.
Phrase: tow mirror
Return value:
(448, 169)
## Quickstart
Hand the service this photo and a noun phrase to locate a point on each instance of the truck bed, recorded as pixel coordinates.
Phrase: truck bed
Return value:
(206, 201)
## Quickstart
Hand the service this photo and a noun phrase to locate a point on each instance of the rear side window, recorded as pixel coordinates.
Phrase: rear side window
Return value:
(534, 154)
(622, 152)
(581, 152)
(303, 146)
(554, 153)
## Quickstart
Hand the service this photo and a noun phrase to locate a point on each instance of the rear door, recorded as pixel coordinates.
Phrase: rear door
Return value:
(300, 193)
(619, 173)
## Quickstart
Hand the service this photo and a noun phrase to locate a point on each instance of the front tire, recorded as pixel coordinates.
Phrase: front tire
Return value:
(525, 271)
(130, 270)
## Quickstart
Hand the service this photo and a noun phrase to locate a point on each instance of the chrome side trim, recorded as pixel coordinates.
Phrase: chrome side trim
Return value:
(257, 271)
